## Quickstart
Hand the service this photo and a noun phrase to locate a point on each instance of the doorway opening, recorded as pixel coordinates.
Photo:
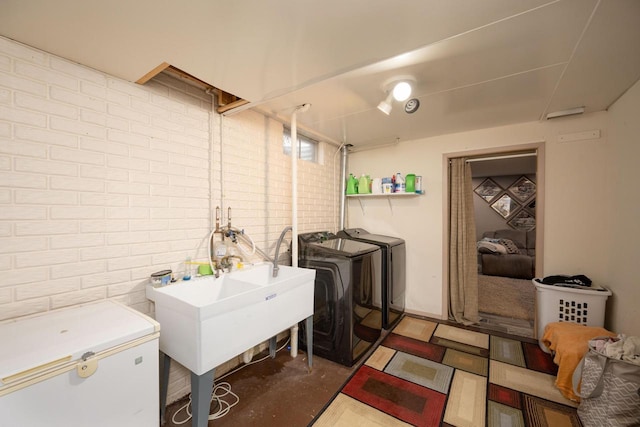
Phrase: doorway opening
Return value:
(508, 205)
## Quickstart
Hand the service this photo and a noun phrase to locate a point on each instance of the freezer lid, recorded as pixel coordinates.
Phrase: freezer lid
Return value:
(364, 235)
(65, 335)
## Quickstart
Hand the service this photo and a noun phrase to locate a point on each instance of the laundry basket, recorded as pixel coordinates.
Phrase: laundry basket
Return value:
(581, 305)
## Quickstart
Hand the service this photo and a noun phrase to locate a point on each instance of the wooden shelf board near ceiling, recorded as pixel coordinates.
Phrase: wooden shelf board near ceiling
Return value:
(226, 101)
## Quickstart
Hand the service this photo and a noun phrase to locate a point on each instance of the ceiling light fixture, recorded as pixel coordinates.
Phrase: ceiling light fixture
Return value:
(385, 105)
(401, 91)
(398, 88)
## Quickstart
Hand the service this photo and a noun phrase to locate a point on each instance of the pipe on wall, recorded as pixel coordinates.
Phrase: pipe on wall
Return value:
(343, 185)
(294, 182)
(294, 207)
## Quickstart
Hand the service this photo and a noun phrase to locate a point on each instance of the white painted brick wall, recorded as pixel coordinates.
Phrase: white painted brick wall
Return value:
(45, 136)
(103, 182)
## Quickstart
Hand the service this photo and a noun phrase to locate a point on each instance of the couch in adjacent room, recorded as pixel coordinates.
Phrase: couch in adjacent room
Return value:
(508, 253)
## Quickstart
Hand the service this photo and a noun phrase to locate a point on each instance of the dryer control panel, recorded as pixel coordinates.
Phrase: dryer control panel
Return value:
(316, 237)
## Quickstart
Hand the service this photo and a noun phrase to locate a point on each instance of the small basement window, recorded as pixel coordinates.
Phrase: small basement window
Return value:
(307, 147)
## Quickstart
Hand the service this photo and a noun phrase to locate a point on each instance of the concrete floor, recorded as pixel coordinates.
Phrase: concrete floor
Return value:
(276, 392)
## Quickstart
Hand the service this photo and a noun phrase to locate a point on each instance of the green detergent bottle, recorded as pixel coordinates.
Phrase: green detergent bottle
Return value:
(363, 185)
(410, 183)
(352, 185)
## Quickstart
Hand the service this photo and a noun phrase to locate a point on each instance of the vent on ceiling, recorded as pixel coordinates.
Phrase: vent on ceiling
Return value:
(565, 113)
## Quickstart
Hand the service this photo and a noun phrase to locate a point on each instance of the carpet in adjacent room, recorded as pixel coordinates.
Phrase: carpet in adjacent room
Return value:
(506, 297)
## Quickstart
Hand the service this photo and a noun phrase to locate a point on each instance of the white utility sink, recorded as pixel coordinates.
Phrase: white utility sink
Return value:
(207, 321)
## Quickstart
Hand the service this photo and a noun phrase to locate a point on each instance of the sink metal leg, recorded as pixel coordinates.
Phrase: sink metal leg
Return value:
(164, 384)
(201, 390)
(273, 343)
(293, 331)
(309, 334)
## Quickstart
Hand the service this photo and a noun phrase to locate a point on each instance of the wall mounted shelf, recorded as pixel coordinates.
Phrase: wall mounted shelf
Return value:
(388, 196)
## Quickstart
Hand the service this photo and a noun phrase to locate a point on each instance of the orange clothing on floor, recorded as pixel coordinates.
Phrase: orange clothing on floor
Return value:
(570, 342)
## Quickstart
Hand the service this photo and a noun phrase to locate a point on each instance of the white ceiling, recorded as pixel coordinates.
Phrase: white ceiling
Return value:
(477, 64)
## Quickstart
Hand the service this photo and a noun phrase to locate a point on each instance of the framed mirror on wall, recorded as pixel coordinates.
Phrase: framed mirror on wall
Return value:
(523, 220)
(516, 204)
(488, 190)
(523, 189)
(505, 205)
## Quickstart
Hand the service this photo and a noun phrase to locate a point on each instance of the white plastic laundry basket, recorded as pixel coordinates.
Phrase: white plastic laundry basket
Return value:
(584, 306)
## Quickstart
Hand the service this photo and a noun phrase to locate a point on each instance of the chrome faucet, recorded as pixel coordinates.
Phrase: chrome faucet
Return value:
(216, 268)
(225, 262)
(275, 257)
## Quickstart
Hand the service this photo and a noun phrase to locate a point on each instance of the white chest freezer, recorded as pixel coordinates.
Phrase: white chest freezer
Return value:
(91, 365)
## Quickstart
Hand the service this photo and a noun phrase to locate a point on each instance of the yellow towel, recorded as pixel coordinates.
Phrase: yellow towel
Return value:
(570, 342)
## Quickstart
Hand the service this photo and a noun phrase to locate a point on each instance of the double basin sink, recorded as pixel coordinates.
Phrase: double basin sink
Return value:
(207, 321)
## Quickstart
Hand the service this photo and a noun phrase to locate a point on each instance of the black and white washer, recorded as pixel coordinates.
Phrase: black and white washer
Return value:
(347, 315)
(394, 259)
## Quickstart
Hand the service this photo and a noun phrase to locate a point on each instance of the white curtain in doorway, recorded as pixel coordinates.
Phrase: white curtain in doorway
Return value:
(463, 264)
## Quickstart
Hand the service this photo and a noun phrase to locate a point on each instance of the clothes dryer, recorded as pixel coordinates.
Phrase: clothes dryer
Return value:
(394, 260)
(346, 319)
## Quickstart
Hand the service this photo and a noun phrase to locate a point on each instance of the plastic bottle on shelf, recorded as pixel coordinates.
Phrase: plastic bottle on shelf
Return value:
(387, 185)
(352, 185)
(400, 184)
(363, 185)
(410, 184)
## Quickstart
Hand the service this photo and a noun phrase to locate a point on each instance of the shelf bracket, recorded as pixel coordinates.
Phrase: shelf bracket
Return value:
(386, 196)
